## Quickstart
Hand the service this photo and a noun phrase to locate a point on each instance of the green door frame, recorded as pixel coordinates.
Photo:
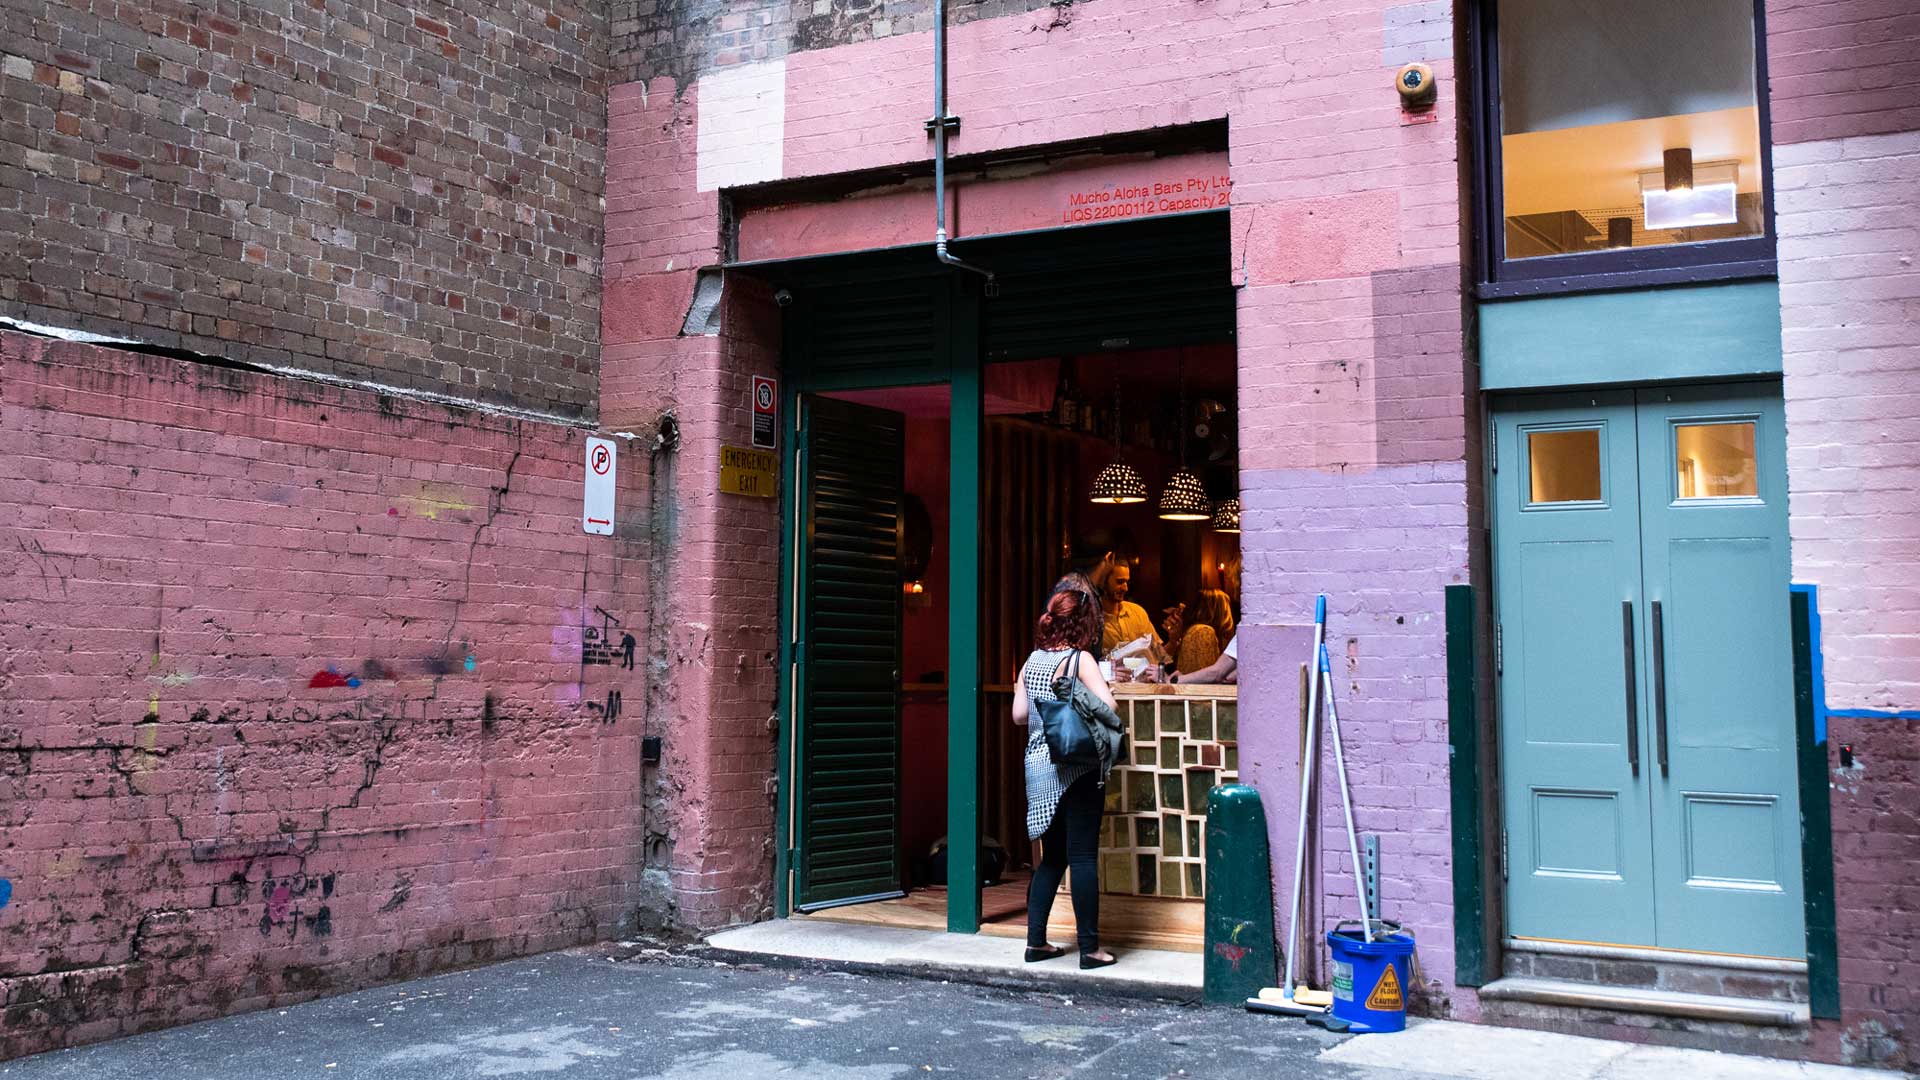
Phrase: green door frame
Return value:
(960, 367)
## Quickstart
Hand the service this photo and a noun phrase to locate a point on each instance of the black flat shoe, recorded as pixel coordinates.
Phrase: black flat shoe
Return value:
(1088, 963)
(1034, 955)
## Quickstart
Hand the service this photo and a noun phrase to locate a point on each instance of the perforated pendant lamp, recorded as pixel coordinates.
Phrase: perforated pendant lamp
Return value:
(1185, 497)
(1119, 484)
(1226, 516)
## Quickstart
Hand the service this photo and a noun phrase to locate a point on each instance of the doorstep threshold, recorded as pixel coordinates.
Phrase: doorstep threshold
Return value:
(1594, 951)
(977, 958)
(1656, 1002)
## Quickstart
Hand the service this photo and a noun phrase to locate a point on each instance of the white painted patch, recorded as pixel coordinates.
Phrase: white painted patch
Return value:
(742, 124)
(493, 1052)
(739, 1064)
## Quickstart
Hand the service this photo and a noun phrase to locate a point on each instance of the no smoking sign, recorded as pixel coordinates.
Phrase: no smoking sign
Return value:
(766, 411)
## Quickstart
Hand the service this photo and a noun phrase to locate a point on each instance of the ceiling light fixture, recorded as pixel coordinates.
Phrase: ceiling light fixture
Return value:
(1185, 497)
(1119, 484)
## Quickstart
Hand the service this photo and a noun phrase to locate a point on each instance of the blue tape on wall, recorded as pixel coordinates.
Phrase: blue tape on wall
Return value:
(1820, 709)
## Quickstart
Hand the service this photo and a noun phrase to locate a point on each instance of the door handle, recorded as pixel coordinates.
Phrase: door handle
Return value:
(1633, 691)
(1659, 688)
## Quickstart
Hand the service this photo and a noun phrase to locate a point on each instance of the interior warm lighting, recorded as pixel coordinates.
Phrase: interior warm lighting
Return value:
(1119, 485)
(915, 588)
(1185, 499)
(1226, 518)
(1710, 198)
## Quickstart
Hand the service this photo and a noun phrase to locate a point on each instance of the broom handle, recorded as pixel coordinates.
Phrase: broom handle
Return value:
(1346, 798)
(1306, 785)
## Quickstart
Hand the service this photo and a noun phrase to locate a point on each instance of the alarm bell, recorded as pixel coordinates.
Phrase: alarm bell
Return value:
(1415, 83)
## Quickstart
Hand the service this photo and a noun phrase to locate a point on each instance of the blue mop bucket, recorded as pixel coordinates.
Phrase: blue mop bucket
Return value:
(1370, 977)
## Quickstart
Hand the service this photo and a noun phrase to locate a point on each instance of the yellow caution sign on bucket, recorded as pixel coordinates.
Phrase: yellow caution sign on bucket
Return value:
(1386, 996)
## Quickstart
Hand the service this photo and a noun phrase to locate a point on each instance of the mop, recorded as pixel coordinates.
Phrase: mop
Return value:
(1289, 999)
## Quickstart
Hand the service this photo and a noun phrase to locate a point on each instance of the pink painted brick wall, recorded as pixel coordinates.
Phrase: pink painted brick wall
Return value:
(1849, 221)
(1841, 68)
(1846, 129)
(192, 820)
(1354, 404)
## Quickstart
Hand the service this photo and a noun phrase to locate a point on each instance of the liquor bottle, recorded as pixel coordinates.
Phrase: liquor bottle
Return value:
(1066, 404)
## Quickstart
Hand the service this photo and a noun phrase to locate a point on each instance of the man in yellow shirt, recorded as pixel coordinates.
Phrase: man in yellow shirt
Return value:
(1125, 620)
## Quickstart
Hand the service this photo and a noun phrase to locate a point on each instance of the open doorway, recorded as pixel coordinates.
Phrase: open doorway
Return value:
(1053, 427)
(951, 443)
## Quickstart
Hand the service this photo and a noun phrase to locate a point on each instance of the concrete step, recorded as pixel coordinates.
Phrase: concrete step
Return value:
(1710, 1008)
(1624, 967)
(977, 958)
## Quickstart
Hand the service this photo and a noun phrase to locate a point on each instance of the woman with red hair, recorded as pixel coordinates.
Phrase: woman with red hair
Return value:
(1064, 802)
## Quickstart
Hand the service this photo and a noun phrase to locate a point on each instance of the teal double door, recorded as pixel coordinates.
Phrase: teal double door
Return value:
(1644, 669)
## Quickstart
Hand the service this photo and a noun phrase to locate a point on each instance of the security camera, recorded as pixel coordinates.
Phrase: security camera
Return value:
(783, 297)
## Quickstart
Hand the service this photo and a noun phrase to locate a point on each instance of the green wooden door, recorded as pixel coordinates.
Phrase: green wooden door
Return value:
(848, 728)
(1644, 669)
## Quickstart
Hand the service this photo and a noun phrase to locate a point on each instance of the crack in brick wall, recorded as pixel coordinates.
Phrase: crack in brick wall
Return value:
(292, 699)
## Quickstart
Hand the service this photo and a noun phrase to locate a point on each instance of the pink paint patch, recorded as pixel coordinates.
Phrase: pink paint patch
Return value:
(279, 902)
(1232, 953)
(327, 680)
(393, 511)
(1315, 239)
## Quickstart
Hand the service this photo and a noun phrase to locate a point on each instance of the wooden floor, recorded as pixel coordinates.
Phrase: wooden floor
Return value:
(1136, 922)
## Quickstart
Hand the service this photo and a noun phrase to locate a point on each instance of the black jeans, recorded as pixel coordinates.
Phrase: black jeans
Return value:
(1072, 841)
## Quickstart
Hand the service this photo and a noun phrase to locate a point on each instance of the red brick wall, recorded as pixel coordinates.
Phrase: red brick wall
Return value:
(405, 193)
(292, 695)
(1876, 852)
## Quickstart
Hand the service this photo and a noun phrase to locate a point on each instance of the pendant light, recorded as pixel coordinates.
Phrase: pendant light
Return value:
(1226, 516)
(1185, 497)
(1119, 484)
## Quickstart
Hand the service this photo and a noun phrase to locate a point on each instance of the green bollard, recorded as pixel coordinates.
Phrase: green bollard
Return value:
(1242, 957)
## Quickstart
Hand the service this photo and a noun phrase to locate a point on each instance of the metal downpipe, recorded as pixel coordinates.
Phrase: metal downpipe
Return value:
(939, 125)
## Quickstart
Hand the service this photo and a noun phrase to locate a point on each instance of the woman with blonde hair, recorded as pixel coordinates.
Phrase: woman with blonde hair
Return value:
(1207, 632)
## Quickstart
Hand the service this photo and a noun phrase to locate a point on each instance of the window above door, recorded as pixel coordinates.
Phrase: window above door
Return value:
(1620, 144)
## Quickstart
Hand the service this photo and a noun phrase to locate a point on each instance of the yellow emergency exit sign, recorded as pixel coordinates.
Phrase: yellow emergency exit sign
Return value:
(748, 472)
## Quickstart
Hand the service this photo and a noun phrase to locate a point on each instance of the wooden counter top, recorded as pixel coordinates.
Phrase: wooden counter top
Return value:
(1215, 691)
(1221, 691)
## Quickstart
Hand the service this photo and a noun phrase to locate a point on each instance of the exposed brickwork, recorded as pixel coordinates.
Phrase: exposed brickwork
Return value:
(1876, 851)
(292, 693)
(403, 193)
(1841, 68)
(682, 39)
(1848, 214)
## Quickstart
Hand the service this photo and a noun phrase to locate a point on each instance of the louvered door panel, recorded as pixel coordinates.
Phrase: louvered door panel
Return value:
(849, 729)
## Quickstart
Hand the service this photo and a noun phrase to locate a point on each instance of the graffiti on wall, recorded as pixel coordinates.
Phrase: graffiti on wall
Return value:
(598, 646)
(297, 900)
(6, 891)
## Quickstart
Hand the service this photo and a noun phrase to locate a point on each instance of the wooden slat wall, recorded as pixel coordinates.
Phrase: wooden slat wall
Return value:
(1026, 525)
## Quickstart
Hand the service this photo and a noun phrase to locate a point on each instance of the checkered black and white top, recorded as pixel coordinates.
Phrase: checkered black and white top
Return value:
(1046, 782)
